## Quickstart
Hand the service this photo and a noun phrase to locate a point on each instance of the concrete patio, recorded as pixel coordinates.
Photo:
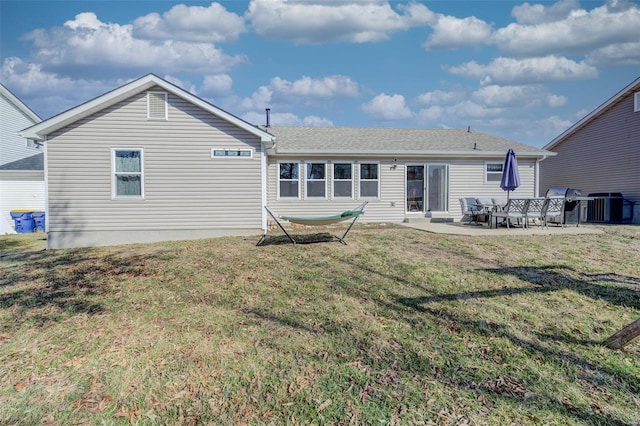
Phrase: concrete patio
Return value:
(482, 229)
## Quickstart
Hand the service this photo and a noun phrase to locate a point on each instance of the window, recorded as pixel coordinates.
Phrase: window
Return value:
(342, 180)
(127, 173)
(157, 106)
(316, 180)
(369, 180)
(231, 153)
(288, 180)
(636, 102)
(493, 172)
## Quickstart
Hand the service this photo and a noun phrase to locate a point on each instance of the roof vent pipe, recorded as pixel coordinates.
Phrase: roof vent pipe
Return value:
(268, 111)
(468, 129)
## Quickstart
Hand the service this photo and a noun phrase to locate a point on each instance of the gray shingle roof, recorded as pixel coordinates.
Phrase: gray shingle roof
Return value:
(394, 142)
(35, 162)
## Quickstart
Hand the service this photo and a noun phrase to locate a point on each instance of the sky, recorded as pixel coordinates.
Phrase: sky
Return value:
(525, 71)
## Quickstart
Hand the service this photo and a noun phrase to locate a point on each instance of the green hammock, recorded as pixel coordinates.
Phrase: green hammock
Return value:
(352, 215)
(325, 220)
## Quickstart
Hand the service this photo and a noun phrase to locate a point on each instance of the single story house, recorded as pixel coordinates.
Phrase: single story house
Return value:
(601, 152)
(21, 161)
(150, 161)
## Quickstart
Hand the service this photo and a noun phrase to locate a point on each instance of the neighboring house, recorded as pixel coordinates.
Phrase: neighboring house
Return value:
(601, 152)
(21, 161)
(150, 162)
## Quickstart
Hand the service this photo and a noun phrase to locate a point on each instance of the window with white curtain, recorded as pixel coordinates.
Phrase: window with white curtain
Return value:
(128, 179)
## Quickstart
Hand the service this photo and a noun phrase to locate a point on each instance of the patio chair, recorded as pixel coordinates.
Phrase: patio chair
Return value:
(514, 210)
(470, 207)
(534, 210)
(352, 215)
(553, 212)
(499, 202)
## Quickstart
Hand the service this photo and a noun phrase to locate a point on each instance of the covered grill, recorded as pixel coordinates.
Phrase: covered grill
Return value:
(571, 211)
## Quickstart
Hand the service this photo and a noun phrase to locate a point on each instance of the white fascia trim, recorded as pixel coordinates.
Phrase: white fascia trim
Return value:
(19, 104)
(263, 189)
(38, 131)
(413, 155)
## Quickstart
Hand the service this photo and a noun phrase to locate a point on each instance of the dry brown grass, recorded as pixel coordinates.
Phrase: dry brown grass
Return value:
(399, 326)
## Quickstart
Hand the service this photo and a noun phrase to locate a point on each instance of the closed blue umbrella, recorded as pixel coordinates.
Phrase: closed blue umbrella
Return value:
(510, 176)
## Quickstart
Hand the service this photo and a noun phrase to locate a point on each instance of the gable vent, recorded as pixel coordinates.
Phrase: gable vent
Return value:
(157, 106)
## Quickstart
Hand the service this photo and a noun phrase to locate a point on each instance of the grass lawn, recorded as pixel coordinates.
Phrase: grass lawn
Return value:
(398, 327)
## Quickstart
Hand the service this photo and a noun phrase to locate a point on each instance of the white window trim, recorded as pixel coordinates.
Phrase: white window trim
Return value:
(166, 106)
(114, 184)
(334, 180)
(278, 180)
(237, 157)
(486, 180)
(360, 180)
(307, 180)
(636, 102)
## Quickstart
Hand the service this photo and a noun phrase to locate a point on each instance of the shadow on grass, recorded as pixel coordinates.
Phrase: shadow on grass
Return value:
(614, 288)
(274, 240)
(621, 290)
(47, 286)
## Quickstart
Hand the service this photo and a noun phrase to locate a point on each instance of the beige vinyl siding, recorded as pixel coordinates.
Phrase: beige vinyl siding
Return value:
(388, 208)
(184, 188)
(603, 156)
(466, 179)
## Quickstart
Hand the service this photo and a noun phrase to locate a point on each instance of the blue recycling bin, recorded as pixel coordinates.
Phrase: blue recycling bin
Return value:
(39, 221)
(24, 221)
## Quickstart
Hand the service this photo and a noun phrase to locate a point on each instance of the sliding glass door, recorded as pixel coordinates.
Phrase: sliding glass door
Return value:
(434, 184)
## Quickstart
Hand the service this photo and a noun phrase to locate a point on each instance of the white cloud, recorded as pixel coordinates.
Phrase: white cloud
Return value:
(331, 86)
(450, 32)
(287, 119)
(438, 97)
(48, 93)
(388, 107)
(529, 70)
(320, 22)
(580, 32)
(517, 96)
(91, 44)
(186, 85)
(618, 54)
(219, 84)
(528, 14)
(309, 88)
(459, 115)
(191, 23)
(260, 99)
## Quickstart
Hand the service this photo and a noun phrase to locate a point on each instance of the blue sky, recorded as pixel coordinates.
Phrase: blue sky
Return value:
(521, 70)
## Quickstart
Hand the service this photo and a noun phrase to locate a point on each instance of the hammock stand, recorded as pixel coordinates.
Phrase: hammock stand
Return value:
(352, 215)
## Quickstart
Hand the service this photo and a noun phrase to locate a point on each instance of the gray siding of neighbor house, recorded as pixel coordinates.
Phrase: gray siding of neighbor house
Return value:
(466, 178)
(187, 193)
(603, 156)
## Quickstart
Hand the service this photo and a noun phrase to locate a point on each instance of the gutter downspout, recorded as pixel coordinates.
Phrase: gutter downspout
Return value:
(263, 177)
(536, 188)
(47, 216)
